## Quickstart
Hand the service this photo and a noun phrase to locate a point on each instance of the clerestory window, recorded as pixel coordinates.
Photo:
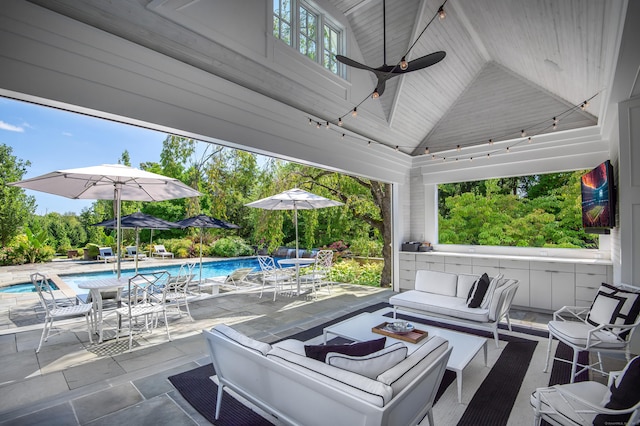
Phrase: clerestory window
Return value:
(297, 23)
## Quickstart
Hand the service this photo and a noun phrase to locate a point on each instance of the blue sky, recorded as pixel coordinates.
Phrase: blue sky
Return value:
(53, 139)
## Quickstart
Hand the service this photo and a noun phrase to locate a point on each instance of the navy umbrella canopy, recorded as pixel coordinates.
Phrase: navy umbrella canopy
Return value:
(139, 221)
(203, 221)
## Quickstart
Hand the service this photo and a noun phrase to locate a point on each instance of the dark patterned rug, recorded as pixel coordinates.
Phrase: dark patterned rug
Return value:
(505, 379)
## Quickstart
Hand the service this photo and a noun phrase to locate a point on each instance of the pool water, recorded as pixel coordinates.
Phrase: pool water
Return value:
(217, 268)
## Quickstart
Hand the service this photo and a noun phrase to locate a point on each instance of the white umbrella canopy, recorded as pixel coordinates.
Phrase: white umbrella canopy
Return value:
(115, 182)
(294, 199)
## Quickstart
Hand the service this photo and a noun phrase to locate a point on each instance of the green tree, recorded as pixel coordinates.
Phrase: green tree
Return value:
(15, 205)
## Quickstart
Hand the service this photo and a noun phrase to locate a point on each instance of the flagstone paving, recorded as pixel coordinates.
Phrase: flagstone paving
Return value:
(73, 382)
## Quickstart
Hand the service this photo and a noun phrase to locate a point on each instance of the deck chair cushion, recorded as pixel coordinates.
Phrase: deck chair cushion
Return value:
(320, 352)
(624, 393)
(613, 305)
(241, 339)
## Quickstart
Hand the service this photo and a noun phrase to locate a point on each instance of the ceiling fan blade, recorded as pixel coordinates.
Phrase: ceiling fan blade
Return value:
(352, 63)
(382, 83)
(423, 62)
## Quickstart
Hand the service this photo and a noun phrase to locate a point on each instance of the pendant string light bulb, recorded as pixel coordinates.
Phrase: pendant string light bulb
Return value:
(404, 64)
(354, 113)
(340, 121)
(441, 13)
(426, 151)
(375, 94)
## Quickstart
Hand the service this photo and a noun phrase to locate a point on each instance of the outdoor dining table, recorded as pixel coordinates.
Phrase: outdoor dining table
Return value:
(96, 288)
(297, 262)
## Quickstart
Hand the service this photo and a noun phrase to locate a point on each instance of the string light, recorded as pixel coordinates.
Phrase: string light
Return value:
(458, 148)
(340, 121)
(470, 159)
(375, 94)
(310, 122)
(404, 64)
(529, 140)
(441, 13)
(523, 133)
(397, 148)
(355, 112)
(426, 150)
(508, 149)
(317, 125)
(490, 142)
(342, 136)
(327, 125)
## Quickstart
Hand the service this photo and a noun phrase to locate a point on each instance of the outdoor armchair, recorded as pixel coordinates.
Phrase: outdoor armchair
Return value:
(592, 403)
(606, 326)
(319, 274)
(58, 308)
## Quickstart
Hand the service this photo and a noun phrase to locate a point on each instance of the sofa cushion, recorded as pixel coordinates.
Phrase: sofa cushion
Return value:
(403, 373)
(319, 352)
(624, 393)
(372, 391)
(436, 282)
(370, 365)
(241, 339)
(486, 302)
(478, 291)
(291, 345)
(465, 282)
(429, 303)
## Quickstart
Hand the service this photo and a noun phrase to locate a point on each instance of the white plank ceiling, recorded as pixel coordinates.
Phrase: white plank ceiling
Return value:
(509, 65)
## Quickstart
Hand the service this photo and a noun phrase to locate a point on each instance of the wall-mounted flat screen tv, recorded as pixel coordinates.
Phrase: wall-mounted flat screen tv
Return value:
(598, 199)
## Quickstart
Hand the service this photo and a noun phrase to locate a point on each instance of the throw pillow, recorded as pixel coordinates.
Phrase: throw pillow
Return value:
(486, 301)
(320, 352)
(624, 393)
(478, 292)
(625, 312)
(371, 365)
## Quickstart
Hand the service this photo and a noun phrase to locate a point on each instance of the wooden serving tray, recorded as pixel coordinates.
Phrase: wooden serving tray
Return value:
(412, 337)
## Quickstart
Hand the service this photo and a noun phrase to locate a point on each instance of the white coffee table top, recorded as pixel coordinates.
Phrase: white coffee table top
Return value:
(465, 346)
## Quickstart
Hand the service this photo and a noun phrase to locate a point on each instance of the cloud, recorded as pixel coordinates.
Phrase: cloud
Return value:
(10, 127)
(67, 134)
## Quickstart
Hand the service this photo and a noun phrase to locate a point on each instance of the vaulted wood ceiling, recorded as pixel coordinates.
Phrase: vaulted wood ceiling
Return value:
(510, 64)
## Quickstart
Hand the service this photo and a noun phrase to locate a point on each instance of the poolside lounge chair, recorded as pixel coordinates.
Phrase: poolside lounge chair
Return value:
(106, 254)
(160, 251)
(236, 280)
(132, 253)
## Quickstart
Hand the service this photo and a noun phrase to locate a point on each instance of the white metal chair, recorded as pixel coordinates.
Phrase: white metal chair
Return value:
(272, 275)
(585, 403)
(606, 326)
(176, 290)
(58, 308)
(146, 299)
(319, 274)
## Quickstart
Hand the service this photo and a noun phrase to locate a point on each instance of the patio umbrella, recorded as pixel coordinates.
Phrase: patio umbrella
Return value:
(294, 199)
(115, 182)
(138, 221)
(203, 221)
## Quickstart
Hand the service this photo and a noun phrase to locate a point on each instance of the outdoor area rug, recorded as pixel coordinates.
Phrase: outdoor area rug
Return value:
(505, 379)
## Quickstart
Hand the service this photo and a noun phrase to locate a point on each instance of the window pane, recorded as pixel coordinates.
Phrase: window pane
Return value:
(282, 20)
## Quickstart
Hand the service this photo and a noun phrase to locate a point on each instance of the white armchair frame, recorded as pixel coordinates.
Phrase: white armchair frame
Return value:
(272, 275)
(576, 403)
(587, 337)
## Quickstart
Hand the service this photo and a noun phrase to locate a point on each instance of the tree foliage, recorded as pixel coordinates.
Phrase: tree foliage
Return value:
(15, 205)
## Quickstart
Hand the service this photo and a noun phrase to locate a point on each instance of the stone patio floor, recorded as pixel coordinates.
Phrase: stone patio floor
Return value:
(73, 382)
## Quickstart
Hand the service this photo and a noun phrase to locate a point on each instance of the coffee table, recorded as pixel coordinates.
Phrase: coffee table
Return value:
(465, 346)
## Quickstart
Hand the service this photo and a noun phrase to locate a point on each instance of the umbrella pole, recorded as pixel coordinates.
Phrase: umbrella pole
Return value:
(201, 230)
(150, 246)
(295, 219)
(137, 243)
(118, 232)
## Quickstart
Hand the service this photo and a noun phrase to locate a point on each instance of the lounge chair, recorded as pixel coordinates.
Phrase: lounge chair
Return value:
(106, 254)
(132, 253)
(235, 280)
(160, 251)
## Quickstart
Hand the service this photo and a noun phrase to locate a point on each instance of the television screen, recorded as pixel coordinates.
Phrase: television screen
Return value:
(598, 201)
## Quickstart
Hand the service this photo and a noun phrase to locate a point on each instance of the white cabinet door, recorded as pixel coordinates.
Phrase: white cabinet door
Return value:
(563, 286)
(458, 265)
(540, 289)
(521, 297)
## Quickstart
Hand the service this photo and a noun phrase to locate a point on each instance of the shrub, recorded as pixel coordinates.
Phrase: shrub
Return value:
(350, 271)
(231, 247)
(366, 247)
(91, 251)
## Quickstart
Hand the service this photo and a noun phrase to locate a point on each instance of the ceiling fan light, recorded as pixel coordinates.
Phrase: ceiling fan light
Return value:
(404, 64)
(441, 13)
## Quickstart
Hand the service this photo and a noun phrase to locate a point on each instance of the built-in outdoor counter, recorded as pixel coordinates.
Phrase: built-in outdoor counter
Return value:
(546, 283)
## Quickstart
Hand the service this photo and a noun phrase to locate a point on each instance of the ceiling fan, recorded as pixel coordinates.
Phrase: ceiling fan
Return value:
(385, 72)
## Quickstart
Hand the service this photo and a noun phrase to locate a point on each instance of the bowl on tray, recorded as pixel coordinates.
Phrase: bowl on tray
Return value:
(400, 327)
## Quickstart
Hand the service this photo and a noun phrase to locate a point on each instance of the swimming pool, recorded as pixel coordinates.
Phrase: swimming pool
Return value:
(216, 268)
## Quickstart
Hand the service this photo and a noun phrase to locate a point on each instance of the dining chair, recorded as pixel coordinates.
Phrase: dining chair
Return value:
(607, 326)
(58, 308)
(176, 289)
(319, 274)
(146, 300)
(273, 275)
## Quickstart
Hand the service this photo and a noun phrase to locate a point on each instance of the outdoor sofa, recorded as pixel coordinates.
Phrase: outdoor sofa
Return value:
(447, 297)
(301, 390)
